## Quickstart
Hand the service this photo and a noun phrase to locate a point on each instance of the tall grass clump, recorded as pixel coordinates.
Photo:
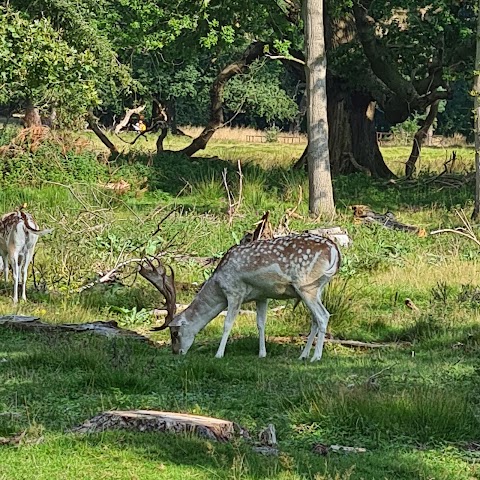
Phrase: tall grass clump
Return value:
(339, 299)
(424, 414)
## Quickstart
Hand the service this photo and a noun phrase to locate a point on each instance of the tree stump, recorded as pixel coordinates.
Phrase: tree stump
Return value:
(156, 421)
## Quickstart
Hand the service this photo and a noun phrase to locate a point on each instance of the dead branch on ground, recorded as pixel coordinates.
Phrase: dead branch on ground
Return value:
(465, 231)
(233, 204)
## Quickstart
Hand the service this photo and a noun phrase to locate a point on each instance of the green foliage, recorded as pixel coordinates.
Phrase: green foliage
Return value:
(271, 134)
(405, 131)
(50, 165)
(259, 96)
(39, 66)
(131, 317)
(458, 114)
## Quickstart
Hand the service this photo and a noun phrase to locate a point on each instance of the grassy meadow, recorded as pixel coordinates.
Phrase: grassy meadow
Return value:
(413, 406)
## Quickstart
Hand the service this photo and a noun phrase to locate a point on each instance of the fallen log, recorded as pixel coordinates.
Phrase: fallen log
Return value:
(21, 439)
(358, 344)
(108, 328)
(156, 421)
(336, 234)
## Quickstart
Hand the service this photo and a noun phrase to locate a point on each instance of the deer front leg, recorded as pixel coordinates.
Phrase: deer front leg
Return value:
(5, 267)
(232, 312)
(23, 273)
(261, 319)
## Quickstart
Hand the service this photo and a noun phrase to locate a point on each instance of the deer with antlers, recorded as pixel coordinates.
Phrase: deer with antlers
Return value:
(295, 266)
(19, 234)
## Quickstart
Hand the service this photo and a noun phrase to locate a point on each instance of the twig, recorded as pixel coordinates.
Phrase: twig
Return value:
(79, 200)
(283, 57)
(159, 227)
(107, 276)
(99, 190)
(377, 374)
(232, 204)
(240, 186)
(466, 231)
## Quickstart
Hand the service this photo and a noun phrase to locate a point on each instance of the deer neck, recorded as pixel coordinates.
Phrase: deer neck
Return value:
(208, 303)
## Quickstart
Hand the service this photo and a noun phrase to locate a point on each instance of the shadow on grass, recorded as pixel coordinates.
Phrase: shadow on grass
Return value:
(175, 173)
(57, 381)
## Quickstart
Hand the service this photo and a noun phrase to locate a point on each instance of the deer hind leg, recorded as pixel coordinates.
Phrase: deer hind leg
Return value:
(325, 316)
(320, 317)
(232, 312)
(15, 273)
(261, 319)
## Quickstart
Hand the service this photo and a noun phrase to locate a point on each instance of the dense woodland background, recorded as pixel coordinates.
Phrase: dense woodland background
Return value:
(210, 64)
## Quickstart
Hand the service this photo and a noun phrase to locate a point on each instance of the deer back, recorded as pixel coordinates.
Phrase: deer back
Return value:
(277, 268)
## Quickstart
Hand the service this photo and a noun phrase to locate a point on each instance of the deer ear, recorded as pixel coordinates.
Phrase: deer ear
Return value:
(178, 322)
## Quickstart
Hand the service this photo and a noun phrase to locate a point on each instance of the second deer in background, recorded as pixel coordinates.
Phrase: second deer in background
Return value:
(19, 234)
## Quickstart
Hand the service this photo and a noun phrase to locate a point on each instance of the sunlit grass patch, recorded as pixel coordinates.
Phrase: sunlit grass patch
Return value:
(424, 389)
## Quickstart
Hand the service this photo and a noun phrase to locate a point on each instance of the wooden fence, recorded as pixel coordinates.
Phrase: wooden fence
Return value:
(280, 139)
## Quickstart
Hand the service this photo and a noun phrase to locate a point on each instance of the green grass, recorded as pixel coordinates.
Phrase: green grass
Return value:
(415, 418)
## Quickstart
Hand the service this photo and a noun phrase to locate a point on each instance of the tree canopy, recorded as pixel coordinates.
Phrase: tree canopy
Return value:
(404, 55)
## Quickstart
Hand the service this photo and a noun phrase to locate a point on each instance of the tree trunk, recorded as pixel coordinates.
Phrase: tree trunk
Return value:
(161, 138)
(156, 421)
(319, 178)
(353, 139)
(419, 138)
(92, 122)
(32, 116)
(254, 51)
(476, 92)
(172, 115)
(159, 114)
(364, 136)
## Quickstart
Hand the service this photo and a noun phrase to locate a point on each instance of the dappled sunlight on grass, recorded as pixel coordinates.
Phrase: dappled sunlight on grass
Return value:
(413, 404)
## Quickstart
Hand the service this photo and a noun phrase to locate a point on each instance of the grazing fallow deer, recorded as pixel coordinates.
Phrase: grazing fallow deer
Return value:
(295, 266)
(19, 234)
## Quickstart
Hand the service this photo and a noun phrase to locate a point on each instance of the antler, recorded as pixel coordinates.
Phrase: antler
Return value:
(165, 284)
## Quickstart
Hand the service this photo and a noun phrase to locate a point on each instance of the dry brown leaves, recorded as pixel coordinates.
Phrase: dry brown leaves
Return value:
(30, 140)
